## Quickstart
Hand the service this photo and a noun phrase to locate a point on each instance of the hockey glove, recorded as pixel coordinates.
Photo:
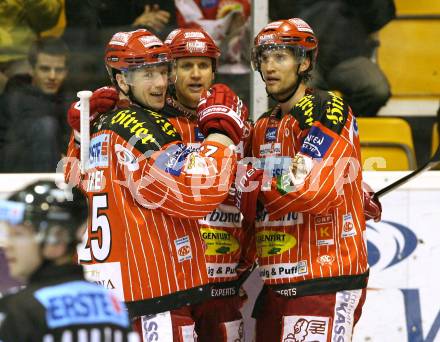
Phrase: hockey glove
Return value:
(221, 110)
(372, 206)
(248, 186)
(103, 100)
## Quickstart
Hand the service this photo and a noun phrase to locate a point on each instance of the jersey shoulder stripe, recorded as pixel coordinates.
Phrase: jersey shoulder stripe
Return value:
(323, 106)
(148, 130)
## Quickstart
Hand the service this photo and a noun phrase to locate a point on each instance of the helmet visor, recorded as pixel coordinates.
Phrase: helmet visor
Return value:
(149, 74)
(262, 52)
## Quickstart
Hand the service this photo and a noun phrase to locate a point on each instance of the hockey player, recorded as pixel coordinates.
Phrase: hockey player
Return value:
(40, 228)
(143, 234)
(224, 233)
(310, 231)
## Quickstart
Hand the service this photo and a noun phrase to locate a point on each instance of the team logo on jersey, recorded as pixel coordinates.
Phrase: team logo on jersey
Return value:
(325, 259)
(324, 230)
(316, 143)
(183, 248)
(271, 134)
(218, 242)
(348, 228)
(126, 157)
(271, 243)
(98, 151)
(305, 328)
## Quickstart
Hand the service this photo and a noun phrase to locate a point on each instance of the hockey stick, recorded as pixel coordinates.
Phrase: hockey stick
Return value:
(435, 159)
(84, 99)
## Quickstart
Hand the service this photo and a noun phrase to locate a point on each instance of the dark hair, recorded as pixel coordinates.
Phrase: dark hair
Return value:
(50, 46)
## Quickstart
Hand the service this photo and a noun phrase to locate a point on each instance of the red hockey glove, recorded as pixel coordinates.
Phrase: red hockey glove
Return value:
(372, 207)
(248, 186)
(102, 101)
(221, 110)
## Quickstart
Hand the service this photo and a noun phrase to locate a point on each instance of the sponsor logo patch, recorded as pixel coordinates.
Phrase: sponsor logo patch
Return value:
(183, 248)
(157, 327)
(292, 218)
(316, 143)
(324, 230)
(271, 134)
(79, 302)
(194, 34)
(271, 243)
(106, 274)
(290, 270)
(99, 151)
(305, 328)
(148, 41)
(348, 228)
(301, 25)
(218, 242)
(221, 270)
(199, 136)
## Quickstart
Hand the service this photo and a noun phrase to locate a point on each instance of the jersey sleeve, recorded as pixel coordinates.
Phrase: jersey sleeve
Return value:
(326, 162)
(180, 180)
(71, 163)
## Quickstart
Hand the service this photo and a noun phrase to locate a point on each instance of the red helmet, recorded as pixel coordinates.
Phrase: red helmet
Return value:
(192, 42)
(294, 34)
(127, 50)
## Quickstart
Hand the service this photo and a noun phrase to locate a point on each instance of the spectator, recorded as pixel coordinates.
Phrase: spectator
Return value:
(91, 24)
(347, 34)
(227, 21)
(33, 111)
(42, 228)
(20, 24)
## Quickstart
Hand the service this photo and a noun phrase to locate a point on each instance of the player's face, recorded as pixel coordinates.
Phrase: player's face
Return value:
(149, 86)
(279, 71)
(193, 75)
(49, 73)
(22, 250)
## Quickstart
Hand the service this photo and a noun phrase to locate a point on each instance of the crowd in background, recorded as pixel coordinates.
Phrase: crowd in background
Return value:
(34, 97)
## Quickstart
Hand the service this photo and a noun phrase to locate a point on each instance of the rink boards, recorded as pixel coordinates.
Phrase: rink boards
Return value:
(403, 300)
